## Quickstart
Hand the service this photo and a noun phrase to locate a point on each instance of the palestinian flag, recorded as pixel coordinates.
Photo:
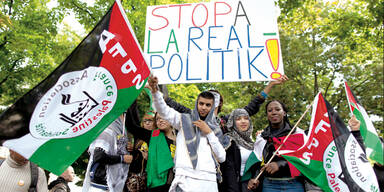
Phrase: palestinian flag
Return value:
(293, 142)
(374, 147)
(331, 156)
(54, 123)
(255, 157)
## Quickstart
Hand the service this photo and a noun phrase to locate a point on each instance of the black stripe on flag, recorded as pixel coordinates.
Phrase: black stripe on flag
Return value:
(14, 122)
(341, 134)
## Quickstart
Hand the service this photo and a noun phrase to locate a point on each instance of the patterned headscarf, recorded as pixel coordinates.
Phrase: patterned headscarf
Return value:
(242, 138)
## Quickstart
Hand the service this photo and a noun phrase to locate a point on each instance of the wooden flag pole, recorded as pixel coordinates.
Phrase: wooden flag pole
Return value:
(285, 139)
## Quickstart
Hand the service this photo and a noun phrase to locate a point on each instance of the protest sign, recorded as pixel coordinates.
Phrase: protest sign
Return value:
(222, 41)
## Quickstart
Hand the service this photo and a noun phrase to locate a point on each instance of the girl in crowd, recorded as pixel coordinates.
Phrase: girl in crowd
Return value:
(161, 141)
(148, 121)
(137, 177)
(277, 175)
(235, 177)
(160, 156)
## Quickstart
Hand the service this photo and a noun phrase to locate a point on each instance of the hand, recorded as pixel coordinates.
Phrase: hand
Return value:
(258, 132)
(202, 125)
(252, 184)
(153, 83)
(278, 81)
(128, 159)
(354, 123)
(271, 168)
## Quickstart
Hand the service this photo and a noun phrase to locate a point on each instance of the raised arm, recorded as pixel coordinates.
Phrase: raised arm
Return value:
(169, 114)
(254, 105)
(354, 124)
(170, 102)
(132, 123)
(177, 106)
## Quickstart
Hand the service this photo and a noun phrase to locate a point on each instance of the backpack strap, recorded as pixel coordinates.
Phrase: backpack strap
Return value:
(1, 161)
(34, 177)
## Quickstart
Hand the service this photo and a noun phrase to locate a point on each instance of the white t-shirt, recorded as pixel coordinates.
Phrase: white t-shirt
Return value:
(244, 153)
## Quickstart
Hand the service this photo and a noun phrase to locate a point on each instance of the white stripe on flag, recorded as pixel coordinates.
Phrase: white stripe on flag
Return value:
(259, 146)
(26, 145)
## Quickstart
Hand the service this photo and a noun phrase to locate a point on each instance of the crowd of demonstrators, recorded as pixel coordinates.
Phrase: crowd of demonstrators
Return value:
(178, 149)
(185, 151)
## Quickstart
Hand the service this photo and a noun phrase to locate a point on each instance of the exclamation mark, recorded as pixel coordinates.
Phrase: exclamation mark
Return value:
(273, 54)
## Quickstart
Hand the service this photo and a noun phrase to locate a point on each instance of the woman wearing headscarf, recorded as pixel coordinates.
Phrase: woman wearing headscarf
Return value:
(235, 171)
(279, 175)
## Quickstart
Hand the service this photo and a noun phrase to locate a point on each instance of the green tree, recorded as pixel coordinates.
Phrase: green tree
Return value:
(30, 46)
(324, 43)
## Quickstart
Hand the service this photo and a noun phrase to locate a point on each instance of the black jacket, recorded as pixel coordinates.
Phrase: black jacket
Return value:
(269, 148)
(231, 170)
(100, 160)
(59, 185)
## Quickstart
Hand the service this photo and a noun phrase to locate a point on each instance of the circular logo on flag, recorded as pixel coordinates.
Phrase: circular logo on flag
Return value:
(333, 169)
(75, 104)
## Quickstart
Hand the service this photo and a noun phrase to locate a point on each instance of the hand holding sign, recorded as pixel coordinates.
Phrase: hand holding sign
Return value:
(153, 83)
(278, 81)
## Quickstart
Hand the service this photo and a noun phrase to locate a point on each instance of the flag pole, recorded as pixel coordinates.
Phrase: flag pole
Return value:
(285, 139)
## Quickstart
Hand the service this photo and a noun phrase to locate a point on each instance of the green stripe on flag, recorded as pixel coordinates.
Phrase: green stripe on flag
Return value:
(252, 159)
(371, 140)
(57, 154)
(314, 171)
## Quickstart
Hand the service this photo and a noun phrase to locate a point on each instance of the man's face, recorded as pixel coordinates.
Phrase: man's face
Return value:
(204, 105)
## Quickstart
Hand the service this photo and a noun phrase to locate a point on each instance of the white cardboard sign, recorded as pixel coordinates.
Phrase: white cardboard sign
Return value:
(220, 41)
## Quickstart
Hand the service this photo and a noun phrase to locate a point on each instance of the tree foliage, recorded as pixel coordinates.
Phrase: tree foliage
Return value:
(30, 45)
